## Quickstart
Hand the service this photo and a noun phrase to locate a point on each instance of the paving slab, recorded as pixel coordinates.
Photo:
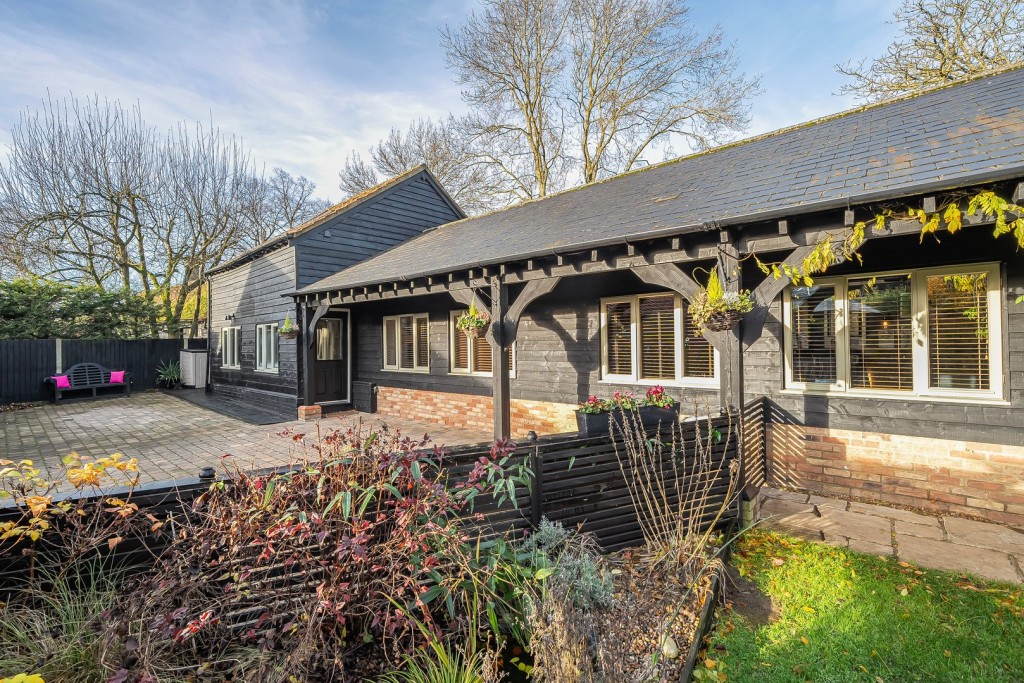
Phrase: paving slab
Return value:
(984, 535)
(869, 548)
(824, 502)
(990, 564)
(779, 494)
(932, 531)
(868, 528)
(892, 513)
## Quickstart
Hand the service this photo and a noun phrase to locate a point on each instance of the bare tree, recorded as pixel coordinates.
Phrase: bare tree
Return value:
(940, 41)
(271, 205)
(444, 146)
(510, 58)
(91, 194)
(609, 78)
(640, 74)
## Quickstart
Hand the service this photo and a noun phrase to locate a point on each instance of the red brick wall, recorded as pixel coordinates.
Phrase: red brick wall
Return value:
(474, 412)
(976, 479)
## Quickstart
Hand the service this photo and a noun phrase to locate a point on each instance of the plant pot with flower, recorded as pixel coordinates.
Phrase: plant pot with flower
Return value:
(658, 409)
(473, 323)
(288, 330)
(595, 416)
(716, 310)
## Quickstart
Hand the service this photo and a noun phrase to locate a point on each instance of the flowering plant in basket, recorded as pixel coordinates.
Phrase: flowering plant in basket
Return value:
(714, 309)
(473, 322)
(288, 330)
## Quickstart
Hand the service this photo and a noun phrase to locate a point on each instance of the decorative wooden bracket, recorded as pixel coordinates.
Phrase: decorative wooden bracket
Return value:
(533, 290)
(311, 332)
(764, 294)
(670, 277)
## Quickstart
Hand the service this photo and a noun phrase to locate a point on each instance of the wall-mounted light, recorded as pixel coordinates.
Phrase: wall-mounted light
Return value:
(230, 316)
(327, 233)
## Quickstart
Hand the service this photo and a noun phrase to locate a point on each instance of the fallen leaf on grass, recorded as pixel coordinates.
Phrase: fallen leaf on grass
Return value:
(803, 639)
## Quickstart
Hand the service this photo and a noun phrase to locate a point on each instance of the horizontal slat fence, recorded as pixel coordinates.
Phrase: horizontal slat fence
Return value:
(578, 482)
(24, 363)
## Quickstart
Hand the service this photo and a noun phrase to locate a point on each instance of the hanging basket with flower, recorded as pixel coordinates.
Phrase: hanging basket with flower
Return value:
(716, 310)
(288, 330)
(473, 323)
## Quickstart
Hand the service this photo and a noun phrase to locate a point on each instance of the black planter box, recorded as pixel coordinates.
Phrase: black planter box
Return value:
(599, 424)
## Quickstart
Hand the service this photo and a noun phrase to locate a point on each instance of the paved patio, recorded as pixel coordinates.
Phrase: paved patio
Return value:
(950, 543)
(173, 438)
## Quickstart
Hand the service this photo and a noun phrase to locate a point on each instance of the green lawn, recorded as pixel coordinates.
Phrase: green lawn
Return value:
(844, 616)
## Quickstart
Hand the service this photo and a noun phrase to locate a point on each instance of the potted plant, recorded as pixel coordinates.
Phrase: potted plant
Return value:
(473, 322)
(658, 408)
(714, 309)
(592, 416)
(168, 374)
(288, 330)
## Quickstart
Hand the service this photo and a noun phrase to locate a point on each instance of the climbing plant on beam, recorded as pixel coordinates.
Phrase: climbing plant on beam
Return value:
(839, 247)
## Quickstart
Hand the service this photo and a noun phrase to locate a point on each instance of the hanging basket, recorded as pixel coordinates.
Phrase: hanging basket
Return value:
(474, 332)
(722, 321)
(290, 335)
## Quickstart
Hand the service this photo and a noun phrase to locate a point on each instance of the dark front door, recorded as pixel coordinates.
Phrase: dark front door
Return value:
(331, 369)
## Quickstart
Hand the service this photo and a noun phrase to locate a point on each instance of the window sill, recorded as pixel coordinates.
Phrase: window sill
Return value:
(709, 383)
(231, 367)
(463, 373)
(418, 371)
(897, 396)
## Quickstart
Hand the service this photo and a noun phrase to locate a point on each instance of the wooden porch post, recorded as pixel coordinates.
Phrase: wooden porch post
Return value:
(499, 360)
(307, 361)
(731, 379)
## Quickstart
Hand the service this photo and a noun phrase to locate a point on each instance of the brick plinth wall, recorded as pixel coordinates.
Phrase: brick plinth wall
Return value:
(976, 479)
(474, 412)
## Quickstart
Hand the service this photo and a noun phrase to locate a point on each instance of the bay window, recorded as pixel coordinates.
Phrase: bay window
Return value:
(407, 343)
(649, 338)
(928, 332)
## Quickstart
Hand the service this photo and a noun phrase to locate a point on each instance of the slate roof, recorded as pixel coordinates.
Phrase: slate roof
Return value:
(330, 212)
(962, 134)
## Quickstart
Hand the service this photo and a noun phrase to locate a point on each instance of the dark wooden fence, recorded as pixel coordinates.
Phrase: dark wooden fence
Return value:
(578, 482)
(24, 363)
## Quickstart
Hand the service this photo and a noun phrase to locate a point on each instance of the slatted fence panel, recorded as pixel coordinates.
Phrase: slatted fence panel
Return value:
(23, 365)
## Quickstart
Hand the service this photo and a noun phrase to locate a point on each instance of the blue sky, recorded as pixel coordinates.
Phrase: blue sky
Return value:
(305, 83)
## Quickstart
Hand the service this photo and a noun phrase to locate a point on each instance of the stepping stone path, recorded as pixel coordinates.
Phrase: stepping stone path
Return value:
(985, 549)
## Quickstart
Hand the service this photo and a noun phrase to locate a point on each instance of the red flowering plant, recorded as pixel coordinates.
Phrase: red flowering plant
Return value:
(594, 406)
(624, 400)
(657, 396)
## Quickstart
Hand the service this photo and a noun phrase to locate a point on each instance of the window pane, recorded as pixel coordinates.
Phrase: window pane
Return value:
(814, 334)
(460, 349)
(620, 341)
(698, 353)
(657, 337)
(328, 339)
(423, 341)
(261, 345)
(481, 355)
(879, 311)
(958, 331)
(390, 343)
(407, 349)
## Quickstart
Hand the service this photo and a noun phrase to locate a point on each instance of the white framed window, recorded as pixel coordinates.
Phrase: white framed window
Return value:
(930, 332)
(468, 356)
(231, 348)
(649, 339)
(266, 347)
(407, 343)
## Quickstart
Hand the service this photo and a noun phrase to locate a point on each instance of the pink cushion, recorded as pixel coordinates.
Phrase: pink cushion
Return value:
(62, 381)
(117, 376)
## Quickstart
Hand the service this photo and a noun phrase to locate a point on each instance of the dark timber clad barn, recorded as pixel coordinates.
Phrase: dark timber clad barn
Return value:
(899, 379)
(248, 302)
